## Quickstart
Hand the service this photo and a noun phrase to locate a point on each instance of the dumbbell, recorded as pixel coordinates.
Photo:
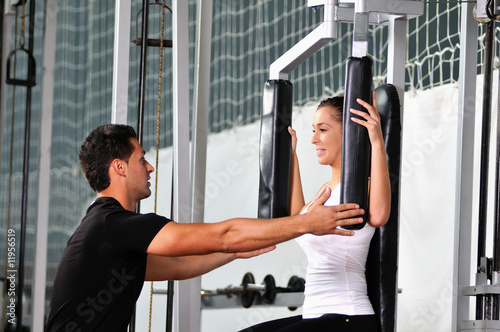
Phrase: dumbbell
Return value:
(250, 290)
(267, 290)
(296, 284)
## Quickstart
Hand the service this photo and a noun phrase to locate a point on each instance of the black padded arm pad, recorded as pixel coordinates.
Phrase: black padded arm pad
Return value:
(382, 261)
(356, 148)
(275, 149)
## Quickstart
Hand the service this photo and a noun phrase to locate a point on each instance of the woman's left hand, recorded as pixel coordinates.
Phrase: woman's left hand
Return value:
(372, 119)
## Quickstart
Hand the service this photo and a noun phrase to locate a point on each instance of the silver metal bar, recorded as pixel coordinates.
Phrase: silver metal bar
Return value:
(201, 108)
(396, 57)
(465, 166)
(480, 326)
(294, 299)
(408, 8)
(200, 134)
(187, 294)
(361, 35)
(309, 45)
(121, 52)
(481, 290)
(5, 41)
(43, 204)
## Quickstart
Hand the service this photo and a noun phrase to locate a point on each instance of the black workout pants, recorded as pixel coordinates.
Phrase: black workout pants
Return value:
(325, 323)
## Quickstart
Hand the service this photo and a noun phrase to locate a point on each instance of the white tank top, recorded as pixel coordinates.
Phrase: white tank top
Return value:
(335, 277)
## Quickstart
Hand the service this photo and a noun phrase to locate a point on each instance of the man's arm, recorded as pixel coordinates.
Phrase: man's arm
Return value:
(244, 234)
(180, 268)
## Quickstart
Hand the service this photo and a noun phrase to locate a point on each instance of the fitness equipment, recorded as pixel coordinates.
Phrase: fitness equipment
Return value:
(487, 279)
(382, 260)
(275, 149)
(161, 43)
(28, 83)
(265, 293)
(356, 148)
(155, 42)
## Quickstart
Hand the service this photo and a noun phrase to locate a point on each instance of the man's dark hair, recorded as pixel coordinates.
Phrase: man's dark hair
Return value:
(101, 147)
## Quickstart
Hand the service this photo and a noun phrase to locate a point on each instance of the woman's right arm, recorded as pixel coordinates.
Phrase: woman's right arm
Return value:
(296, 195)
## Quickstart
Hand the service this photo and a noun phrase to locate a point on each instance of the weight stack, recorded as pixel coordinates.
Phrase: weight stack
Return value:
(275, 149)
(356, 148)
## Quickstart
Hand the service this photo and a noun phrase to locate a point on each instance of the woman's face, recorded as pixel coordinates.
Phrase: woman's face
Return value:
(327, 137)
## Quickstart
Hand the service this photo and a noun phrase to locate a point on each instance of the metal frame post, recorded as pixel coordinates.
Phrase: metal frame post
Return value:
(3, 38)
(465, 166)
(361, 36)
(396, 57)
(26, 157)
(485, 158)
(200, 134)
(121, 55)
(142, 74)
(42, 224)
(187, 297)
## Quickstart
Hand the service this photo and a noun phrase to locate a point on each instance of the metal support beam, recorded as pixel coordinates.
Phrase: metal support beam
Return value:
(465, 166)
(201, 107)
(2, 71)
(43, 205)
(121, 51)
(4, 48)
(186, 297)
(361, 12)
(142, 76)
(292, 299)
(200, 134)
(396, 57)
(309, 45)
(361, 35)
(26, 167)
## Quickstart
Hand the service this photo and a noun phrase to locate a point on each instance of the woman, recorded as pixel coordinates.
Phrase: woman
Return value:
(335, 296)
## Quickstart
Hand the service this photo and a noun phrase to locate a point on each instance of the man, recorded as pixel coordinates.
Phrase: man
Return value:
(114, 250)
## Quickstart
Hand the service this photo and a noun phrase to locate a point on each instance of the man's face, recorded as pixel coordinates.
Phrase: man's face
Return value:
(138, 170)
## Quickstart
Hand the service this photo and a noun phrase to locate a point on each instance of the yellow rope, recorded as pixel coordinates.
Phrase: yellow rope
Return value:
(11, 157)
(157, 138)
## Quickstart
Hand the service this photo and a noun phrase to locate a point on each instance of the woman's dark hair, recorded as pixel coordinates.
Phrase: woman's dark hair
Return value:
(101, 147)
(336, 104)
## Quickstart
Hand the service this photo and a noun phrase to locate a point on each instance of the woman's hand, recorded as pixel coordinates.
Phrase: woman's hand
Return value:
(293, 135)
(296, 196)
(372, 120)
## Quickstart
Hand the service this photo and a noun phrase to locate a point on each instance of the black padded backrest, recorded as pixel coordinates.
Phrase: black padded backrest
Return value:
(382, 262)
(275, 149)
(356, 148)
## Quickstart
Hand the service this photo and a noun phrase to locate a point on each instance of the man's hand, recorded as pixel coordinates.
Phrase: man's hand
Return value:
(325, 219)
(253, 253)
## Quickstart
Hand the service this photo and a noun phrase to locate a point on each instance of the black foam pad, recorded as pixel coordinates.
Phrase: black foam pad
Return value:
(356, 148)
(275, 149)
(382, 261)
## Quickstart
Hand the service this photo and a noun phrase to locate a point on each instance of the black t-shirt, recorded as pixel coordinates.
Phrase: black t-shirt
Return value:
(102, 270)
